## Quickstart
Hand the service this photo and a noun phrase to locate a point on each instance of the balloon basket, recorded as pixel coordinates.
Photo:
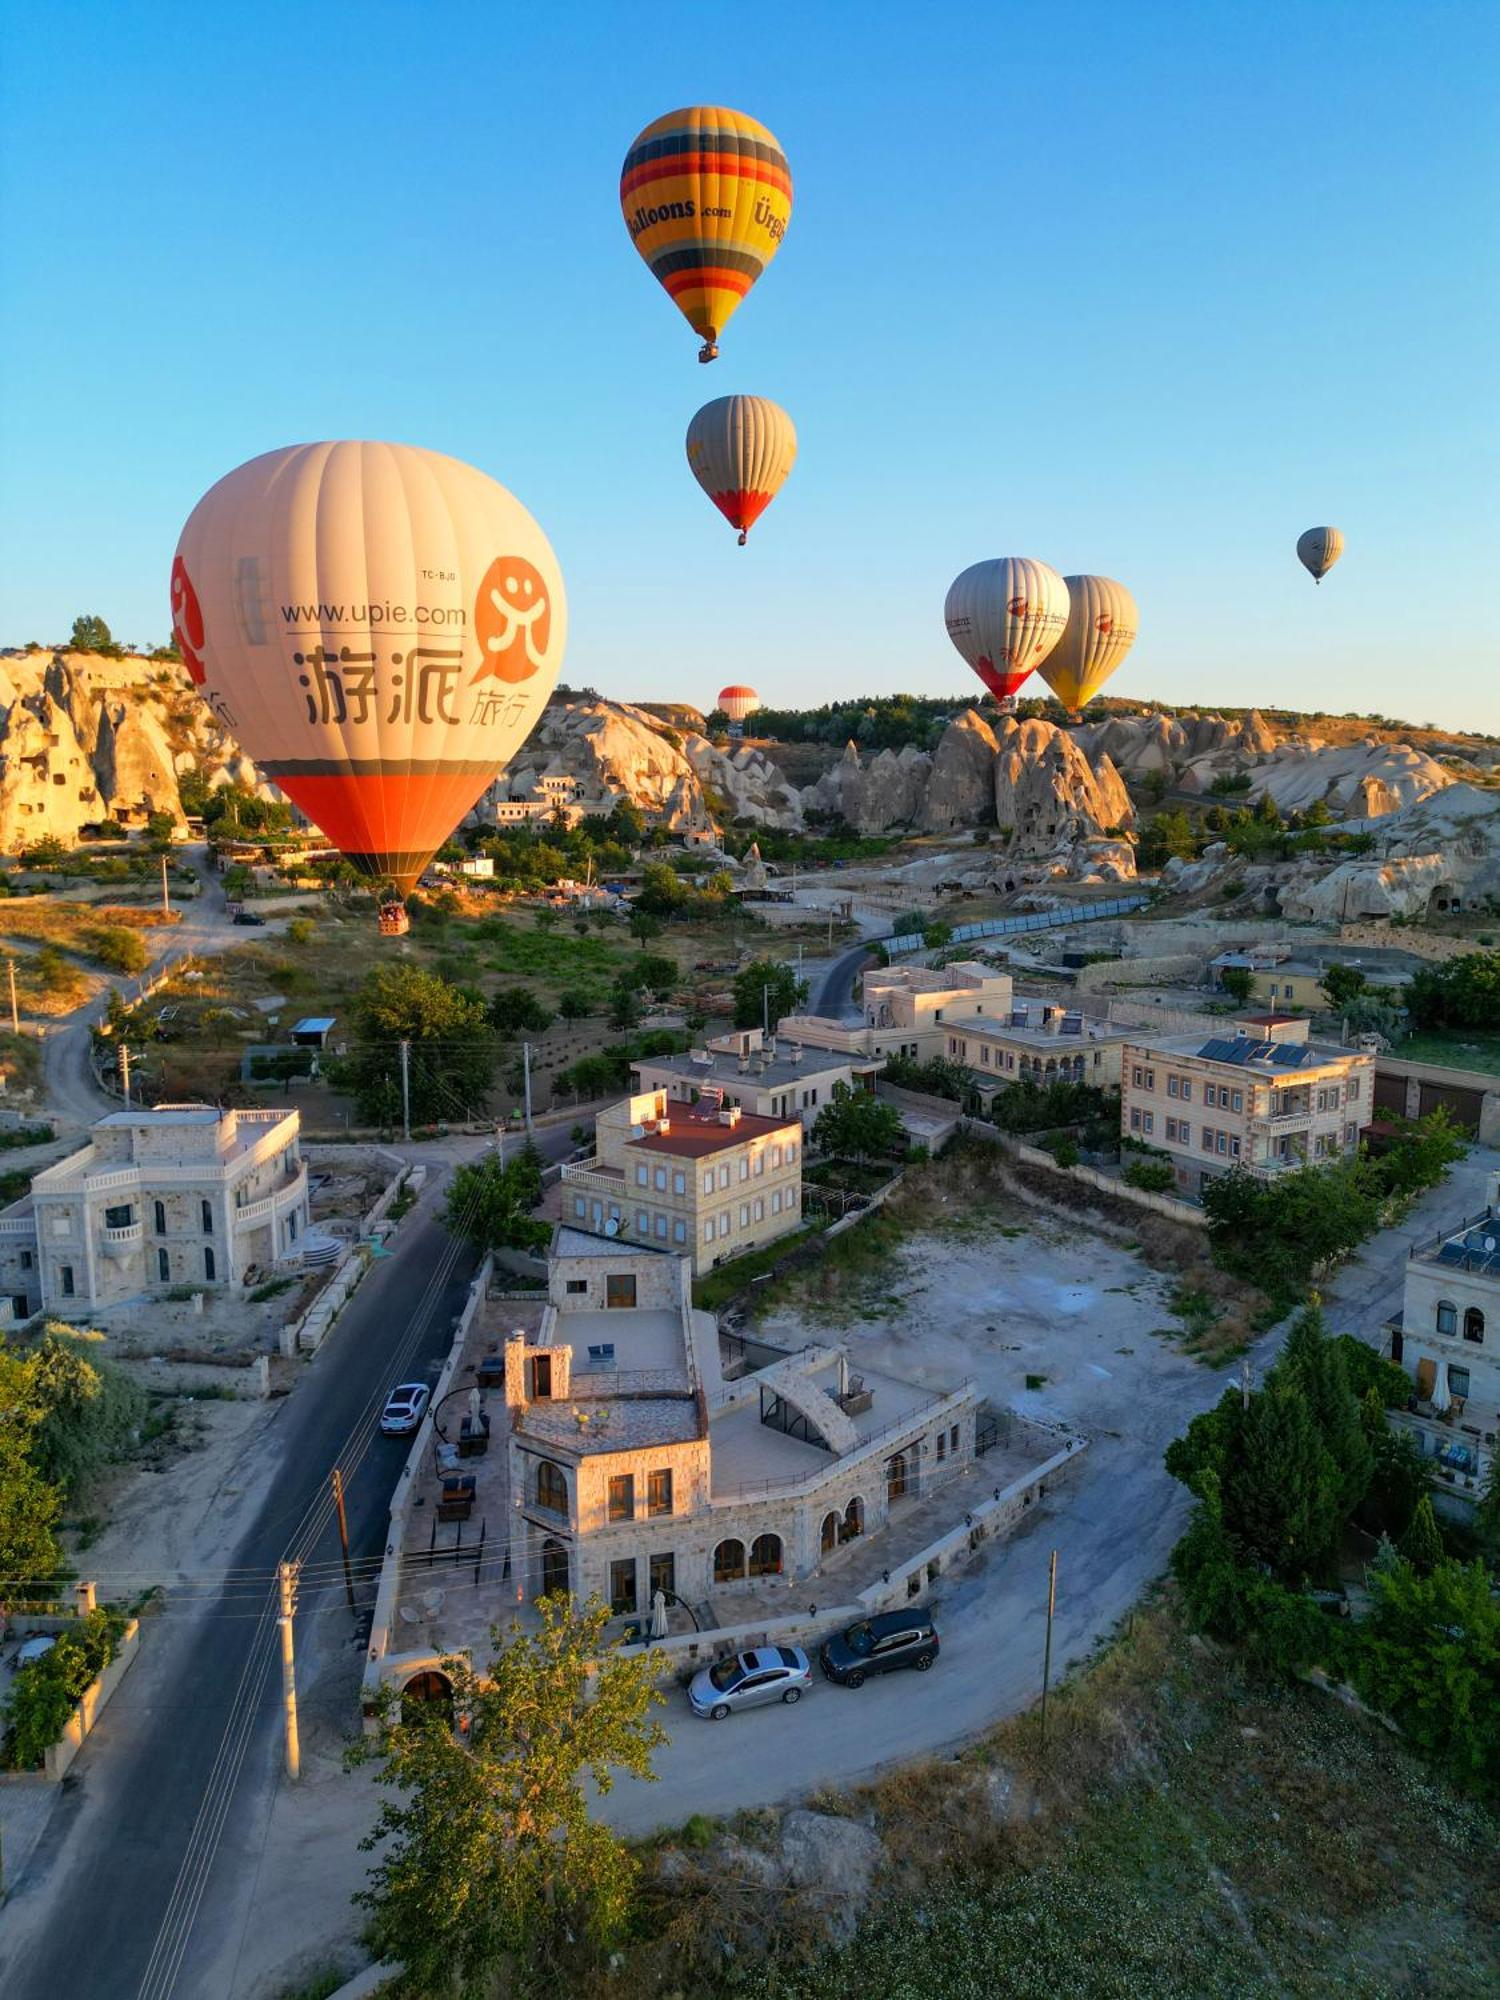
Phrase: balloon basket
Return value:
(709, 351)
(394, 922)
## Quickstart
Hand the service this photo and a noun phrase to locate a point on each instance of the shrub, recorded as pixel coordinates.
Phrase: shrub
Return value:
(45, 1693)
(1151, 1176)
(1063, 1149)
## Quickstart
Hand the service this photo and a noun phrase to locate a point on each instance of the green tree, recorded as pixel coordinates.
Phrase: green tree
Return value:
(1462, 993)
(29, 1503)
(1420, 1152)
(643, 927)
(490, 1855)
(1316, 1365)
(1487, 1513)
(489, 1203)
(1422, 1544)
(91, 635)
(300, 930)
(1237, 981)
(663, 892)
(1430, 1660)
(452, 1053)
(1280, 1487)
(858, 1125)
(657, 973)
(1276, 1233)
(89, 1411)
(515, 1010)
(624, 1006)
(1343, 983)
(765, 990)
(1165, 836)
(574, 1006)
(117, 946)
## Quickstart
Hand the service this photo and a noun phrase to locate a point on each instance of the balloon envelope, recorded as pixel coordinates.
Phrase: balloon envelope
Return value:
(738, 702)
(741, 449)
(378, 627)
(706, 194)
(1318, 550)
(1101, 629)
(1005, 616)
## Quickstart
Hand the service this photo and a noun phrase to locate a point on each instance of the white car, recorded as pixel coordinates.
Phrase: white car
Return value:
(404, 1408)
(745, 1680)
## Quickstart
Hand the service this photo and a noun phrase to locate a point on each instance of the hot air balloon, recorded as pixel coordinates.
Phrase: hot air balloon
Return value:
(1318, 550)
(1101, 629)
(377, 626)
(739, 704)
(741, 449)
(1005, 616)
(706, 194)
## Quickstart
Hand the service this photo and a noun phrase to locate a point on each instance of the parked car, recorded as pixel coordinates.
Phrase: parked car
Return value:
(879, 1645)
(745, 1680)
(249, 917)
(404, 1408)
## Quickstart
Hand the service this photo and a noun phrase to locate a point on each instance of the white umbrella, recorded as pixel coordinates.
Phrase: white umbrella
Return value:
(1440, 1396)
(658, 1615)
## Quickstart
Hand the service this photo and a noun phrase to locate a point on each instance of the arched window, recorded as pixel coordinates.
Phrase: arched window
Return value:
(897, 1480)
(1473, 1324)
(765, 1555)
(729, 1562)
(161, 1217)
(206, 1210)
(551, 1487)
(828, 1539)
(208, 1265)
(854, 1520)
(428, 1688)
(1447, 1316)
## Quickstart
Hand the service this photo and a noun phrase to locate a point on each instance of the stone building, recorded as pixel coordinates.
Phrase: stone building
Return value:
(1037, 1041)
(1261, 1096)
(182, 1195)
(1447, 1338)
(770, 1077)
(906, 1009)
(706, 1180)
(636, 1467)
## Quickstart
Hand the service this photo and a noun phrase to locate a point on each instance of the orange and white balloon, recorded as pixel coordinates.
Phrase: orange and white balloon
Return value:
(741, 449)
(379, 628)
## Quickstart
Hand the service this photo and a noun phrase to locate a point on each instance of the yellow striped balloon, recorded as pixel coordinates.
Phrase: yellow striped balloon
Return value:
(706, 194)
(741, 449)
(1101, 628)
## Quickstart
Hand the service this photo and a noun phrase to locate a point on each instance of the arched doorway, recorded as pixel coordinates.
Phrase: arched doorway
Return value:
(554, 1568)
(854, 1520)
(729, 1561)
(765, 1555)
(424, 1691)
(897, 1478)
(828, 1539)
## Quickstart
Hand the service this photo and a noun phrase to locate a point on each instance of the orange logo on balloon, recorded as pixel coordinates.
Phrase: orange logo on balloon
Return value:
(1018, 607)
(1104, 623)
(187, 622)
(512, 620)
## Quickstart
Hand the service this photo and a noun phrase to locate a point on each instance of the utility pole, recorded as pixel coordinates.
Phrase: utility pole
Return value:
(337, 1479)
(406, 1090)
(125, 1071)
(287, 1580)
(526, 1079)
(1245, 1383)
(15, 1012)
(166, 900)
(1047, 1656)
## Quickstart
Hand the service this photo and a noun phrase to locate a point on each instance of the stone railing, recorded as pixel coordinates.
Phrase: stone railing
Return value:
(882, 1443)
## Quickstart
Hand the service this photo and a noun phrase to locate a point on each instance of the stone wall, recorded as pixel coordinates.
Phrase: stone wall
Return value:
(248, 1382)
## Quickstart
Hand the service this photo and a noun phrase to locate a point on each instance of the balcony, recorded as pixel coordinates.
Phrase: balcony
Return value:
(594, 1177)
(122, 1241)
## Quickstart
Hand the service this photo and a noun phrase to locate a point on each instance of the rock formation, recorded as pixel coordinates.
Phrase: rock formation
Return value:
(961, 788)
(1050, 794)
(1443, 853)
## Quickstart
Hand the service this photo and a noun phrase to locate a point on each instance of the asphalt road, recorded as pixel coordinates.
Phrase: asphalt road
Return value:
(100, 1886)
(837, 991)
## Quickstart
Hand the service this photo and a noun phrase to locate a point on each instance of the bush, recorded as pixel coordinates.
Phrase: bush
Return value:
(1063, 1149)
(300, 930)
(1151, 1176)
(44, 1694)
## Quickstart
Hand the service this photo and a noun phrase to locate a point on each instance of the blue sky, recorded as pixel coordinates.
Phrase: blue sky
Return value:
(1144, 289)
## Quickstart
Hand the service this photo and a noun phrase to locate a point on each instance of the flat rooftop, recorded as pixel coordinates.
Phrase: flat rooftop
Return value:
(1007, 1028)
(624, 1423)
(747, 1455)
(1275, 1061)
(691, 1138)
(718, 1066)
(642, 1337)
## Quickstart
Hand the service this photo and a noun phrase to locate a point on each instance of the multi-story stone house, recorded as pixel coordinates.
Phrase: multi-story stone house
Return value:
(636, 1467)
(906, 1009)
(1447, 1338)
(1260, 1096)
(183, 1195)
(769, 1077)
(705, 1180)
(1037, 1041)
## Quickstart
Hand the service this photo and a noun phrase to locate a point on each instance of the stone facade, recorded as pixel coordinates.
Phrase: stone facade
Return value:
(184, 1195)
(905, 1011)
(1040, 1042)
(773, 1077)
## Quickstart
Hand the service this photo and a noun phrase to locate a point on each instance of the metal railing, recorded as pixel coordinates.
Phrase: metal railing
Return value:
(1422, 1245)
(1031, 920)
(839, 1466)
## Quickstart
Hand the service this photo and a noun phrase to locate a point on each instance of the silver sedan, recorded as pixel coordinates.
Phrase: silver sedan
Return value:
(745, 1680)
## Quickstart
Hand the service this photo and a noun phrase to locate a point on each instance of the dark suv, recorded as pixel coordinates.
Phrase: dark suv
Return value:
(878, 1646)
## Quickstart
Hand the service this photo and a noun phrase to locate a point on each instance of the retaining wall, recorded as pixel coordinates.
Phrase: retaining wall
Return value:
(250, 1381)
(308, 1332)
(96, 1698)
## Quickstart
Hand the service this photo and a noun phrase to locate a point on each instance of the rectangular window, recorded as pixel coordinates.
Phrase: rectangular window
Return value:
(776, 1202)
(622, 1497)
(744, 1167)
(953, 1438)
(1208, 1139)
(760, 1210)
(663, 1570)
(661, 1180)
(1221, 1142)
(1237, 1101)
(208, 1265)
(622, 1587)
(659, 1492)
(744, 1215)
(205, 1210)
(642, 1175)
(1187, 1087)
(1146, 1121)
(1171, 1086)
(642, 1222)
(679, 1231)
(160, 1209)
(679, 1183)
(1234, 1149)
(66, 1274)
(1352, 1089)
(619, 1288)
(1135, 1118)
(580, 1206)
(541, 1378)
(661, 1226)
(578, 1288)
(942, 1446)
(1151, 1079)
(26, 1260)
(760, 1165)
(119, 1218)
(163, 1268)
(708, 1181)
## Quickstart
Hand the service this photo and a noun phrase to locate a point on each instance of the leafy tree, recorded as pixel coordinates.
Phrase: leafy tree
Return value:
(663, 892)
(1316, 1365)
(300, 930)
(1343, 983)
(856, 1124)
(160, 826)
(490, 1853)
(624, 1007)
(452, 1053)
(1237, 981)
(1461, 993)
(1165, 836)
(1430, 1659)
(766, 990)
(489, 1203)
(515, 1010)
(1276, 1233)
(1487, 1514)
(1422, 1544)
(52, 971)
(1420, 1152)
(117, 946)
(657, 973)
(1280, 1486)
(574, 1006)
(89, 1410)
(643, 927)
(91, 635)
(29, 1503)
(1151, 1175)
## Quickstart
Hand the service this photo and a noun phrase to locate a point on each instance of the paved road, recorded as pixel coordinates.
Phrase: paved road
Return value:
(837, 990)
(86, 1918)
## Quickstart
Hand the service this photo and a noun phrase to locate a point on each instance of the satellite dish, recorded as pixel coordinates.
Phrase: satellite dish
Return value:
(612, 1227)
(1489, 1246)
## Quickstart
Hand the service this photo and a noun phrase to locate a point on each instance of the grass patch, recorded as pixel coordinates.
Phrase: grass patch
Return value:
(272, 1289)
(1453, 1048)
